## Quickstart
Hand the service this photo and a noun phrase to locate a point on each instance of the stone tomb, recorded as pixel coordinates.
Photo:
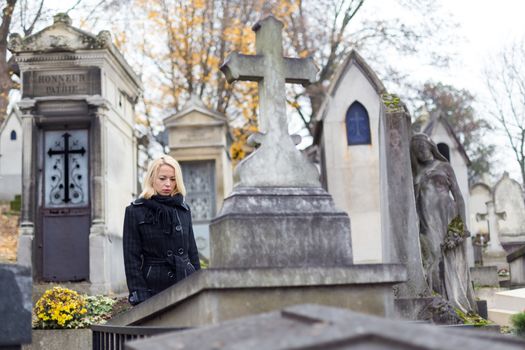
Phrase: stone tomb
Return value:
(11, 155)
(278, 239)
(321, 327)
(199, 139)
(79, 154)
(516, 262)
(349, 146)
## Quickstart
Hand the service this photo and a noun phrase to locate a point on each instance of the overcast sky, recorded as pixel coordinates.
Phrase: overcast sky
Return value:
(485, 26)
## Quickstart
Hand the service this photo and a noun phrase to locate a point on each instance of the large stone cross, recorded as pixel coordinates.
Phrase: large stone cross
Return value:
(277, 162)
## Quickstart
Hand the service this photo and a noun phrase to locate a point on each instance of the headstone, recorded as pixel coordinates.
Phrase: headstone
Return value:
(516, 262)
(199, 139)
(484, 276)
(350, 154)
(278, 239)
(15, 306)
(508, 198)
(493, 254)
(480, 194)
(11, 156)
(79, 154)
(321, 327)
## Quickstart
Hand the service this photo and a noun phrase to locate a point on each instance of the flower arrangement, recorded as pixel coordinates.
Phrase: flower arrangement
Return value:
(64, 308)
(59, 308)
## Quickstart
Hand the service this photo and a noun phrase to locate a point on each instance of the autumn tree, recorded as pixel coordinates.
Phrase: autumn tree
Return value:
(505, 80)
(179, 44)
(457, 106)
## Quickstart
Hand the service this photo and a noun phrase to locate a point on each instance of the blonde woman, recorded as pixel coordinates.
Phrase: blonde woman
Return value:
(159, 245)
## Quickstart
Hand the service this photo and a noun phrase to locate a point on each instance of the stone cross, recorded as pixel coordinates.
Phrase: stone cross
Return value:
(289, 168)
(492, 217)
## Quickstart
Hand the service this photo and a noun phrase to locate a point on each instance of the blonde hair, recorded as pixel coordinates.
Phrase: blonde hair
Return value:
(153, 171)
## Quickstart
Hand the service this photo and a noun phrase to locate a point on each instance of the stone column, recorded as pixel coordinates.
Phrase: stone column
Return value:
(99, 258)
(26, 231)
(400, 220)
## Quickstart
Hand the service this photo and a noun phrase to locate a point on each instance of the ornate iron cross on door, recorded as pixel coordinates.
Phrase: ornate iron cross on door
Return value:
(70, 170)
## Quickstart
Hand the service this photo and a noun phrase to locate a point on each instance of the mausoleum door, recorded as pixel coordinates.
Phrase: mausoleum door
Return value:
(199, 180)
(65, 205)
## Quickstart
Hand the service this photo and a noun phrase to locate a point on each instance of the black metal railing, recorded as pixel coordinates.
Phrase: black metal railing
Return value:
(107, 337)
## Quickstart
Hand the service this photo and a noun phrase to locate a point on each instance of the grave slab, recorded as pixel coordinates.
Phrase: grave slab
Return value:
(321, 327)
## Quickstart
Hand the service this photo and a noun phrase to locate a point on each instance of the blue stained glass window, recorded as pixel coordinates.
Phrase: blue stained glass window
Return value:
(13, 135)
(357, 125)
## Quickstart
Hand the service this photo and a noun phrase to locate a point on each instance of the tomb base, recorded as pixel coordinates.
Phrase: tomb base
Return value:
(213, 295)
(280, 227)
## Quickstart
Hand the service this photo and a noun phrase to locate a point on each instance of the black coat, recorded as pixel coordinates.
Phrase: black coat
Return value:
(159, 246)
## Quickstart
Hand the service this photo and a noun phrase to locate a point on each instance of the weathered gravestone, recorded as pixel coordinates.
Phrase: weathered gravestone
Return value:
(79, 154)
(15, 306)
(321, 327)
(508, 198)
(278, 239)
(494, 254)
(199, 139)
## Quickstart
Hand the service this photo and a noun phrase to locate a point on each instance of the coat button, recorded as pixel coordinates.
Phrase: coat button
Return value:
(170, 274)
(169, 253)
(178, 227)
(181, 251)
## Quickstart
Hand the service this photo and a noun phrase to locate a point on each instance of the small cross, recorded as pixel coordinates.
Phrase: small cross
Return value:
(271, 71)
(492, 217)
(66, 152)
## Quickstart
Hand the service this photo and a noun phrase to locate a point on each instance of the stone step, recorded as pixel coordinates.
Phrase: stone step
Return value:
(511, 300)
(500, 316)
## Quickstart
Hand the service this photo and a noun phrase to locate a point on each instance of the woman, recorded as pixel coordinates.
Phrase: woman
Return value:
(441, 211)
(159, 245)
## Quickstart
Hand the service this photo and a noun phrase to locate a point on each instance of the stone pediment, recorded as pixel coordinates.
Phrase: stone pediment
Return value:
(194, 113)
(60, 36)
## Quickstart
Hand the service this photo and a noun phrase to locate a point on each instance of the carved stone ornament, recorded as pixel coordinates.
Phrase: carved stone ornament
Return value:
(60, 36)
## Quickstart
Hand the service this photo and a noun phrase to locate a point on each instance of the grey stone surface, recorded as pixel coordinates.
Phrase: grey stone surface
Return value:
(15, 305)
(400, 219)
(484, 276)
(278, 227)
(321, 327)
(517, 267)
(271, 70)
(213, 295)
(60, 339)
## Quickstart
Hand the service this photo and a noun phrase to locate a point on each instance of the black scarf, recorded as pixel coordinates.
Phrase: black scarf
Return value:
(164, 211)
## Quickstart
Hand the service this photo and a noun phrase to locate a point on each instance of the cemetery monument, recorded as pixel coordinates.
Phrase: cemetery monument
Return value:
(278, 239)
(79, 155)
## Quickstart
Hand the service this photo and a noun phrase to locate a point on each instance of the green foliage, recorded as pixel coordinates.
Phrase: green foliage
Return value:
(64, 308)
(392, 103)
(16, 203)
(204, 263)
(99, 309)
(518, 323)
(472, 319)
